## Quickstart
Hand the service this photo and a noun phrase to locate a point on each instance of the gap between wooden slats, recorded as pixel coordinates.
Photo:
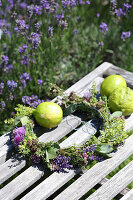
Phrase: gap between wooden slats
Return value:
(128, 196)
(61, 179)
(115, 185)
(36, 175)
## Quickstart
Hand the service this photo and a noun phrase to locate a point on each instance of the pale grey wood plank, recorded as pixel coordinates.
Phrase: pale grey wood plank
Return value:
(93, 176)
(14, 188)
(98, 72)
(4, 139)
(123, 192)
(128, 196)
(128, 76)
(115, 185)
(11, 167)
(4, 151)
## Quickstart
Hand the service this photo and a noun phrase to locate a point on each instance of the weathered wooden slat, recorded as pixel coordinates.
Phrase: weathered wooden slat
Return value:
(4, 139)
(93, 176)
(98, 72)
(128, 76)
(10, 167)
(128, 196)
(115, 185)
(123, 192)
(4, 151)
(14, 188)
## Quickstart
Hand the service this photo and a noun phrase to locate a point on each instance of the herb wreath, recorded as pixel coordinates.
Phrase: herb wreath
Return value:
(108, 137)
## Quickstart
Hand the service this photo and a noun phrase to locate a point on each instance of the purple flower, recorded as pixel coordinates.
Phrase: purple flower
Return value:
(87, 96)
(24, 78)
(2, 105)
(1, 87)
(4, 59)
(20, 131)
(34, 39)
(32, 101)
(119, 12)
(50, 31)
(18, 134)
(36, 159)
(11, 85)
(125, 35)
(103, 27)
(75, 32)
(23, 5)
(126, 7)
(17, 140)
(61, 163)
(39, 81)
(25, 60)
(21, 27)
(98, 15)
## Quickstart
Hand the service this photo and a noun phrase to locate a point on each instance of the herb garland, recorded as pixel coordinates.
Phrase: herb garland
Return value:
(110, 135)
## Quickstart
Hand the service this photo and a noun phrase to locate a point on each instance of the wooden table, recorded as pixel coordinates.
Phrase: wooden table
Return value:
(32, 182)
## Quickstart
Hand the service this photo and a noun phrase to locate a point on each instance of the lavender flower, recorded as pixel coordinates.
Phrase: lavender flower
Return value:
(4, 59)
(25, 60)
(125, 35)
(2, 105)
(32, 101)
(119, 12)
(34, 39)
(50, 31)
(11, 85)
(103, 27)
(1, 87)
(24, 78)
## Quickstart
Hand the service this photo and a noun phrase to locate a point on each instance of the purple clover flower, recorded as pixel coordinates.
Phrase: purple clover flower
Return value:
(11, 85)
(103, 27)
(125, 35)
(61, 163)
(18, 134)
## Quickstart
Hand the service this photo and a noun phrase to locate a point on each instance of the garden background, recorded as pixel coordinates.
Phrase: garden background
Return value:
(58, 41)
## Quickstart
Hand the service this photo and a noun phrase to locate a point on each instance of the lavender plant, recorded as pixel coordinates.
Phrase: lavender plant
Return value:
(58, 41)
